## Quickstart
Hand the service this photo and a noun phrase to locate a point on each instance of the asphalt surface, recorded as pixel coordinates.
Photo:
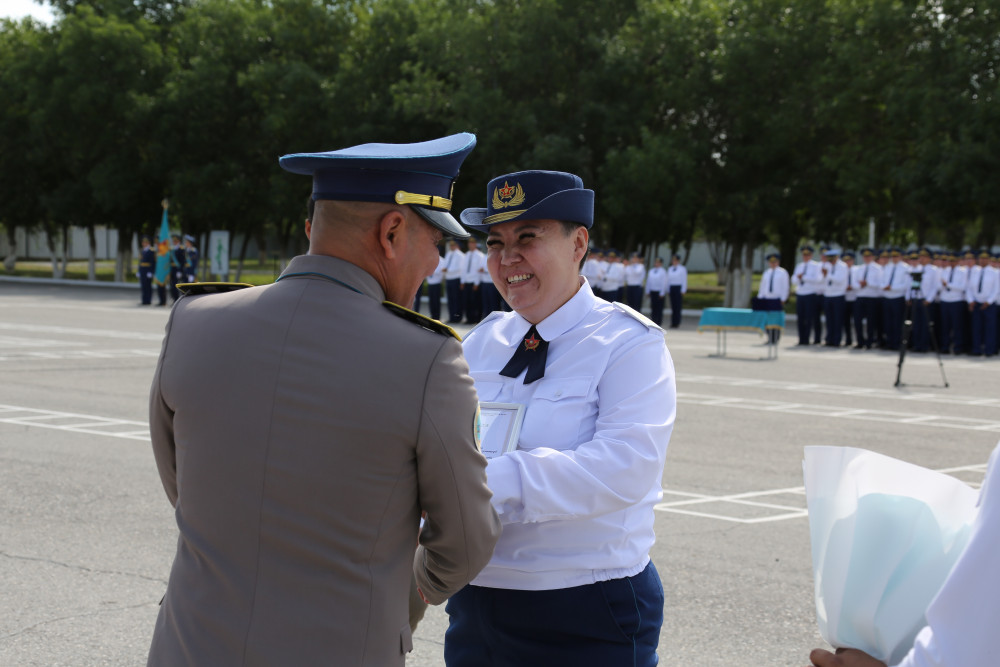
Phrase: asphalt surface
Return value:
(87, 536)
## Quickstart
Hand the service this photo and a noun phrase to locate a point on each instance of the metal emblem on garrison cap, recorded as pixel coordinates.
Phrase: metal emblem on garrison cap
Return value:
(508, 196)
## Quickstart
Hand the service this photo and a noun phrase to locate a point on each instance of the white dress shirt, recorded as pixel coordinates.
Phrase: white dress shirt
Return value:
(678, 275)
(962, 620)
(895, 276)
(592, 271)
(871, 275)
(853, 287)
(983, 285)
(614, 277)
(634, 274)
(475, 264)
(656, 280)
(835, 283)
(576, 498)
(774, 284)
(808, 278)
(454, 264)
(953, 282)
(930, 283)
(436, 277)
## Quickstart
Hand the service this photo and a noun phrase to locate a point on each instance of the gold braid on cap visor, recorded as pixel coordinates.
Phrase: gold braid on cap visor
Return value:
(502, 217)
(423, 200)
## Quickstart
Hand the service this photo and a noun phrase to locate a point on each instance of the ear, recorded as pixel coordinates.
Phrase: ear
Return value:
(309, 229)
(581, 240)
(390, 232)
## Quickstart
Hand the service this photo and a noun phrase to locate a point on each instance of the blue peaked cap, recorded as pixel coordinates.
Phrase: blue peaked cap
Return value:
(421, 175)
(533, 195)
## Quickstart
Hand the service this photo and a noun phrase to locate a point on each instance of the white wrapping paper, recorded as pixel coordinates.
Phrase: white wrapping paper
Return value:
(885, 534)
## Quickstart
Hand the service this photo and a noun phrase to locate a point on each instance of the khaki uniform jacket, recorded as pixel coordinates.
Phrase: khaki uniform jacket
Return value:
(299, 429)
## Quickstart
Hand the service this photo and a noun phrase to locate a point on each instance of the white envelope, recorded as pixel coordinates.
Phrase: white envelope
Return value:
(885, 534)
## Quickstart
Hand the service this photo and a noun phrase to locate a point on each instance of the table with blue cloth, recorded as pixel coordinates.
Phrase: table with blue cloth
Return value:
(723, 320)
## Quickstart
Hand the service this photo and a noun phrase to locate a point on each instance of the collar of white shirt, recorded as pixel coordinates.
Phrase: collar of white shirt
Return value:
(562, 320)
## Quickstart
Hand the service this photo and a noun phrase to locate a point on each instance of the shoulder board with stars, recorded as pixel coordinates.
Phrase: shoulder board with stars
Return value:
(194, 289)
(417, 318)
(636, 315)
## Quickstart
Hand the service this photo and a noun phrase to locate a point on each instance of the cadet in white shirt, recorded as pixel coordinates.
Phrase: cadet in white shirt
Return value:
(852, 320)
(475, 263)
(808, 279)
(869, 299)
(570, 582)
(774, 284)
(614, 278)
(924, 286)
(635, 274)
(677, 283)
(835, 274)
(592, 270)
(962, 620)
(983, 291)
(454, 265)
(656, 288)
(954, 279)
(895, 283)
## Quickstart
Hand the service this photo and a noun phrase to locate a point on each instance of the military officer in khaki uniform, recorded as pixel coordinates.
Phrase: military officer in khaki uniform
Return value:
(301, 428)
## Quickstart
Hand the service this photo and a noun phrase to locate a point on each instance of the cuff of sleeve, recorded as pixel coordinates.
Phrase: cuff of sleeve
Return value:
(503, 478)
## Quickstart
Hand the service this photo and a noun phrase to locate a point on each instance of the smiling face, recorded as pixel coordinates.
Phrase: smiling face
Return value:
(536, 264)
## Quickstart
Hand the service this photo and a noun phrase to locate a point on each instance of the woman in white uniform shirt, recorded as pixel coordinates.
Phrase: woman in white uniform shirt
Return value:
(570, 582)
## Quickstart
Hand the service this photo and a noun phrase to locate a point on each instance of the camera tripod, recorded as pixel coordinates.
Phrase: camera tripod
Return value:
(917, 301)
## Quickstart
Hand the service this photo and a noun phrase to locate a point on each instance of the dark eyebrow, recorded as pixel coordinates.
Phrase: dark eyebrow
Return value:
(518, 230)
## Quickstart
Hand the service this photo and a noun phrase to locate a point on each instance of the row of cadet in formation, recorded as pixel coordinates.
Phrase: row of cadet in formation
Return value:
(950, 298)
(472, 295)
(183, 269)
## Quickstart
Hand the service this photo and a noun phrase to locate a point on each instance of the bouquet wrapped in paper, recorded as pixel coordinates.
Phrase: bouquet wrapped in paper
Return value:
(885, 534)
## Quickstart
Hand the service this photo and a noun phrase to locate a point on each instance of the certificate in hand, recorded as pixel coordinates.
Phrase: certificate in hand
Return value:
(499, 427)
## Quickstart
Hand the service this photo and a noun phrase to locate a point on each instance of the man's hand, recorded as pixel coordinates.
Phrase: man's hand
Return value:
(845, 657)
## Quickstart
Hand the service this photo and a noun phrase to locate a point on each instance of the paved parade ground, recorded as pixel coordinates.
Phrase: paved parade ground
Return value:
(87, 535)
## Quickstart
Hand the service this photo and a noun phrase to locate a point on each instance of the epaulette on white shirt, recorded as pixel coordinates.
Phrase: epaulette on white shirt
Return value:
(636, 315)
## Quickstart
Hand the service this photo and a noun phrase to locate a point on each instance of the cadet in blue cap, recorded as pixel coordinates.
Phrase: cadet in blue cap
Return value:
(835, 274)
(191, 258)
(808, 280)
(773, 291)
(895, 284)
(570, 581)
(147, 268)
(983, 291)
(301, 428)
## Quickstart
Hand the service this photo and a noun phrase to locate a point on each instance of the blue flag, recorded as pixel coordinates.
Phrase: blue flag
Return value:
(163, 251)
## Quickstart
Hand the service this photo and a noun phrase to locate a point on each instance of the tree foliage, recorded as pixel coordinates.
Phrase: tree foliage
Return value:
(739, 121)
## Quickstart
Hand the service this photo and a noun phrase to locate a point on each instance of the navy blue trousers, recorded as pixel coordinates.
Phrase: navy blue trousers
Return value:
(434, 300)
(921, 332)
(473, 302)
(953, 326)
(869, 312)
(892, 321)
(633, 297)
(806, 307)
(676, 304)
(491, 297)
(608, 624)
(656, 307)
(146, 288)
(834, 307)
(984, 330)
(454, 291)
